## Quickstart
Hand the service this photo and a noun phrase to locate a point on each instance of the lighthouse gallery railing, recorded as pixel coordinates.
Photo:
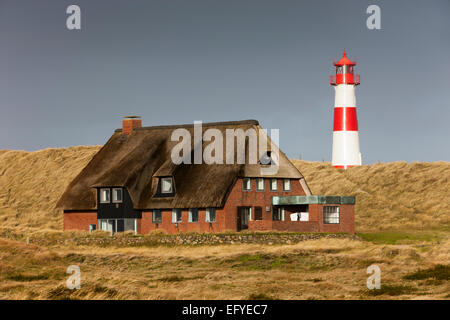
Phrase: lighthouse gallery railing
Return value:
(356, 80)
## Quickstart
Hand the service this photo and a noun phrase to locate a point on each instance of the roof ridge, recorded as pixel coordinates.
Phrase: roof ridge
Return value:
(204, 124)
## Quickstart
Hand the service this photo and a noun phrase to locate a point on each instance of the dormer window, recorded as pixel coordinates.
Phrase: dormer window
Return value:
(266, 158)
(117, 195)
(166, 185)
(269, 158)
(105, 196)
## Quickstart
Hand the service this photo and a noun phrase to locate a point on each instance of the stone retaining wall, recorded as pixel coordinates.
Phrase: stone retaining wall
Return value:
(125, 240)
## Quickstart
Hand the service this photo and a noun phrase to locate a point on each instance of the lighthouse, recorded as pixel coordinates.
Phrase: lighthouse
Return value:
(345, 130)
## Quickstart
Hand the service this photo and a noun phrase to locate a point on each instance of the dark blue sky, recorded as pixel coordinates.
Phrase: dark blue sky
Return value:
(212, 60)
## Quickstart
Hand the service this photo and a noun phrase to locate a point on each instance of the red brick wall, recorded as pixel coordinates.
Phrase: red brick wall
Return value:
(293, 226)
(346, 218)
(77, 220)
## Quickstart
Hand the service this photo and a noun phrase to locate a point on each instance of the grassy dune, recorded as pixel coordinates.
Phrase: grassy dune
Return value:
(32, 182)
(390, 196)
(402, 216)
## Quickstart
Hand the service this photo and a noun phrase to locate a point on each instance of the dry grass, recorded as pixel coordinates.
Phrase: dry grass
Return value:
(316, 269)
(32, 182)
(402, 210)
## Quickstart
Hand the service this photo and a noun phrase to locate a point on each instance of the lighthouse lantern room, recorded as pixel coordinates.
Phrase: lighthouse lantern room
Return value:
(345, 151)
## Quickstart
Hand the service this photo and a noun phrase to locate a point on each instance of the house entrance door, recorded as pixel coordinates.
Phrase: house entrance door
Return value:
(243, 216)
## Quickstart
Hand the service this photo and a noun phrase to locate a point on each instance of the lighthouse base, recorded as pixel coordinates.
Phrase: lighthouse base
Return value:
(345, 149)
(343, 167)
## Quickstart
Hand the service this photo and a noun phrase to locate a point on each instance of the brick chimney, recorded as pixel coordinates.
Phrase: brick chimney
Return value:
(129, 123)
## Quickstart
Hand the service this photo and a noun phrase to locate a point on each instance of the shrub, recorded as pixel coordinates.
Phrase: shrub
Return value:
(391, 290)
(261, 296)
(21, 277)
(438, 272)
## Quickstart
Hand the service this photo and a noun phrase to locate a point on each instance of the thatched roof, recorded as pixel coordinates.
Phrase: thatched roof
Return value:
(135, 161)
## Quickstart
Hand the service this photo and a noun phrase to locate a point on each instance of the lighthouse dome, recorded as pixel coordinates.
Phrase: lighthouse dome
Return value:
(344, 61)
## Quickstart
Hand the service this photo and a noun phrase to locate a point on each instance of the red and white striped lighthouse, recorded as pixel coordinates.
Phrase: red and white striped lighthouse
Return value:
(345, 131)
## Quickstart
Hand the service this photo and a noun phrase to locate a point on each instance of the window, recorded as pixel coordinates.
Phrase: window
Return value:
(131, 224)
(273, 185)
(117, 195)
(246, 216)
(157, 216)
(269, 158)
(260, 184)
(303, 216)
(118, 225)
(278, 214)
(331, 214)
(166, 185)
(299, 216)
(348, 69)
(107, 225)
(247, 184)
(210, 215)
(193, 215)
(105, 195)
(258, 213)
(266, 158)
(287, 185)
(176, 215)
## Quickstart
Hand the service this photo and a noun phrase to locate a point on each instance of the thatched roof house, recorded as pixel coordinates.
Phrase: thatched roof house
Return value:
(135, 163)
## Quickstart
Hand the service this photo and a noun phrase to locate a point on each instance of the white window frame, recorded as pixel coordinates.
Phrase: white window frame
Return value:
(263, 184)
(190, 216)
(103, 224)
(114, 195)
(113, 223)
(175, 216)
(108, 190)
(171, 184)
(280, 213)
(304, 216)
(331, 210)
(244, 184)
(276, 184)
(154, 213)
(288, 181)
(208, 215)
(246, 216)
